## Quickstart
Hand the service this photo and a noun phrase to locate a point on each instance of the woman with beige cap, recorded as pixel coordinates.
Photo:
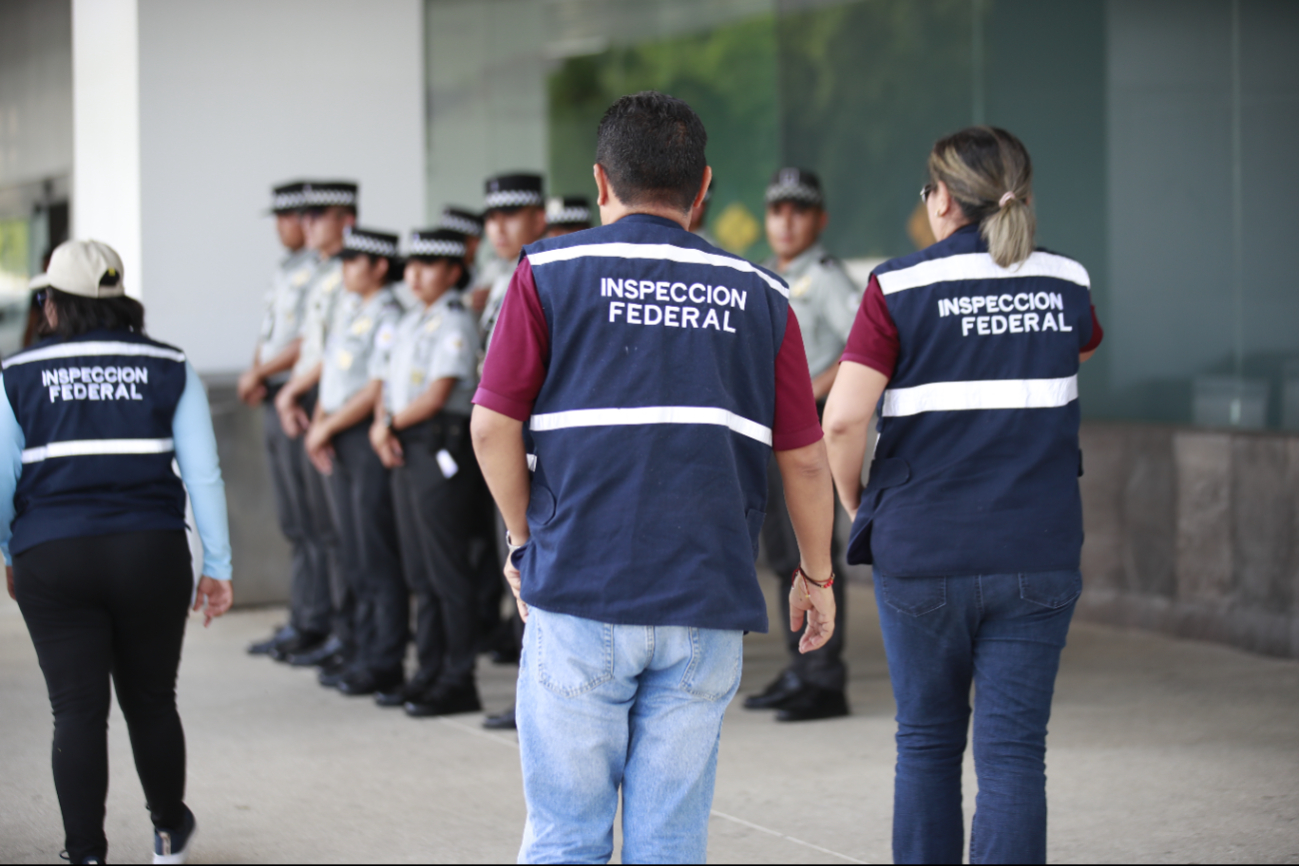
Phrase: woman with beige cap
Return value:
(92, 527)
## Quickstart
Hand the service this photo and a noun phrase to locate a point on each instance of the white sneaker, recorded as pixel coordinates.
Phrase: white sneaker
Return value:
(173, 846)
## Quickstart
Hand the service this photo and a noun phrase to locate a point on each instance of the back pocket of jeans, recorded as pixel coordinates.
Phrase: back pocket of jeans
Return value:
(574, 655)
(914, 596)
(715, 663)
(1053, 589)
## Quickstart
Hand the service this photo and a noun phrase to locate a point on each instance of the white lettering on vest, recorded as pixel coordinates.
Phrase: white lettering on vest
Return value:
(95, 383)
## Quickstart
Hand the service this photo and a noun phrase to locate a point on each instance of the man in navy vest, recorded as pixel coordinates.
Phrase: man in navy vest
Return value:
(656, 374)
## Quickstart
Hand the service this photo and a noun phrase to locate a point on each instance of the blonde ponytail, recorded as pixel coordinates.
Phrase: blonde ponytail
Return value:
(989, 173)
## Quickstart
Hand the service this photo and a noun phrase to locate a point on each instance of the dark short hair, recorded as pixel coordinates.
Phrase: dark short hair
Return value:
(651, 146)
(78, 315)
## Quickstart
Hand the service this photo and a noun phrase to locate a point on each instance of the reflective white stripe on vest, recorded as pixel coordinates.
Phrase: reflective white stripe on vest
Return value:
(980, 266)
(652, 415)
(89, 447)
(661, 252)
(98, 347)
(987, 394)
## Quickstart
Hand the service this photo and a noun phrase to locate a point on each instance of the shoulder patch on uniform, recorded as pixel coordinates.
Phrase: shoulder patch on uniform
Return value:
(454, 304)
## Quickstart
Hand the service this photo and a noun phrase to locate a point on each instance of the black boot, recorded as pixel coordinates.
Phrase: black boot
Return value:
(282, 634)
(445, 700)
(779, 692)
(317, 656)
(304, 642)
(814, 702)
(501, 721)
(415, 687)
(366, 682)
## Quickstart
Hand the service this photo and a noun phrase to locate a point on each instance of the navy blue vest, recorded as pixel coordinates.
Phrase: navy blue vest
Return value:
(653, 428)
(97, 413)
(976, 468)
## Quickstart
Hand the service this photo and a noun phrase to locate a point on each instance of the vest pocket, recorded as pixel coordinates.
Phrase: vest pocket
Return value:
(541, 506)
(754, 519)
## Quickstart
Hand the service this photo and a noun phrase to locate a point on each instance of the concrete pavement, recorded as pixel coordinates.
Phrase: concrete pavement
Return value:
(1161, 750)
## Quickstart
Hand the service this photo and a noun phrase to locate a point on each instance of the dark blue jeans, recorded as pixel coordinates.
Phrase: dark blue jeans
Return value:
(1001, 633)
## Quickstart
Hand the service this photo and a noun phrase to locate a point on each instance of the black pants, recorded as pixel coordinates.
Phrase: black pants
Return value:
(823, 667)
(438, 519)
(310, 596)
(99, 607)
(362, 495)
(323, 515)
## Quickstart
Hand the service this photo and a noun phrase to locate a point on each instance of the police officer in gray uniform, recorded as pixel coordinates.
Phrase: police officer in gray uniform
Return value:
(329, 209)
(567, 214)
(421, 432)
(515, 216)
(338, 443)
(469, 224)
(276, 353)
(825, 300)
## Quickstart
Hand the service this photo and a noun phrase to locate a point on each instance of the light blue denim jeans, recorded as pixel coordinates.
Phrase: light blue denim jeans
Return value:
(602, 707)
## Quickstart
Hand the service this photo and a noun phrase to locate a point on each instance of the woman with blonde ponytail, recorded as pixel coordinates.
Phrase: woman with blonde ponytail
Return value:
(971, 517)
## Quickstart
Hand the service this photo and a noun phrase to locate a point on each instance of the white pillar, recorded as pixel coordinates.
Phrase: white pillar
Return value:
(106, 129)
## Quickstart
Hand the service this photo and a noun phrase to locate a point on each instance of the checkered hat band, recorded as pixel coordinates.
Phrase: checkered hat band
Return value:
(462, 225)
(569, 215)
(793, 192)
(366, 244)
(450, 249)
(288, 201)
(513, 198)
(330, 198)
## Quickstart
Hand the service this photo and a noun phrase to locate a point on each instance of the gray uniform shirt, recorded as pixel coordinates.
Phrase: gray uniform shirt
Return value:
(825, 299)
(286, 303)
(360, 327)
(323, 291)
(497, 274)
(435, 342)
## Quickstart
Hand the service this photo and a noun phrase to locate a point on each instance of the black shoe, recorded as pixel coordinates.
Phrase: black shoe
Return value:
(366, 682)
(263, 648)
(302, 643)
(332, 676)
(173, 846)
(412, 689)
(504, 656)
(443, 700)
(777, 694)
(319, 655)
(812, 703)
(501, 721)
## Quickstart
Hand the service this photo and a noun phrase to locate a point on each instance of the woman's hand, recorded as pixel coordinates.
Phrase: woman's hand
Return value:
(319, 449)
(386, 445)
(293, 419)
(816, 604)
(214, 598)
(9, 578)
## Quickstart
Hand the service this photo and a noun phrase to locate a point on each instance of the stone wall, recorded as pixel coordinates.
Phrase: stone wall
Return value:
(1193, 533)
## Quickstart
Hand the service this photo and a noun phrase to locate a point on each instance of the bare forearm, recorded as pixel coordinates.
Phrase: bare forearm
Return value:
(278, 364)
(429, 402)
(822, 382)
(355, 410)
(498, 442)
(303, 383)
(809, 495)
(846, 422)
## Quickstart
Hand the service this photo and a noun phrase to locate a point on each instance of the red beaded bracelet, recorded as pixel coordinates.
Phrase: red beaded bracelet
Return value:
(799, 572)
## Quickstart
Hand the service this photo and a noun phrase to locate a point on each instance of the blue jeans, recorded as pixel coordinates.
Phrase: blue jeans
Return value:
(605, 706)
(1003, 633)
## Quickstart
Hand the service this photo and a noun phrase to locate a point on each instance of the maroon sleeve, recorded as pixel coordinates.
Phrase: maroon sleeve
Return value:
(796, 423)
(1097, 333)
(873, 340)
(520, 349)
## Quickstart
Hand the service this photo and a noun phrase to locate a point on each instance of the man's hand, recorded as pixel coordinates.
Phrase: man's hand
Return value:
(515, 580)
(319, 448)
(251, 389)
(9, 578)
(293, 419)
(816, 604)
(214, 598)
(386, 445)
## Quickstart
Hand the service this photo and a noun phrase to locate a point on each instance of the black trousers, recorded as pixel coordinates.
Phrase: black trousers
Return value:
(101, 607)
(824, 667)
(310, 595)
(323, 516)
(439, 519)
(362, 496)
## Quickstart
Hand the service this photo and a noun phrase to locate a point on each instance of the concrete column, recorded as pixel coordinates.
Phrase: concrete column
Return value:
(106, 129)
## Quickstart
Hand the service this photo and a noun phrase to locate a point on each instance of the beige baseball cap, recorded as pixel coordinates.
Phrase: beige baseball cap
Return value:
(91, 269)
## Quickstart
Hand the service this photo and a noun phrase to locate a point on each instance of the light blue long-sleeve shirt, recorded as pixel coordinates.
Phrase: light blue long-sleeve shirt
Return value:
(196, 454)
